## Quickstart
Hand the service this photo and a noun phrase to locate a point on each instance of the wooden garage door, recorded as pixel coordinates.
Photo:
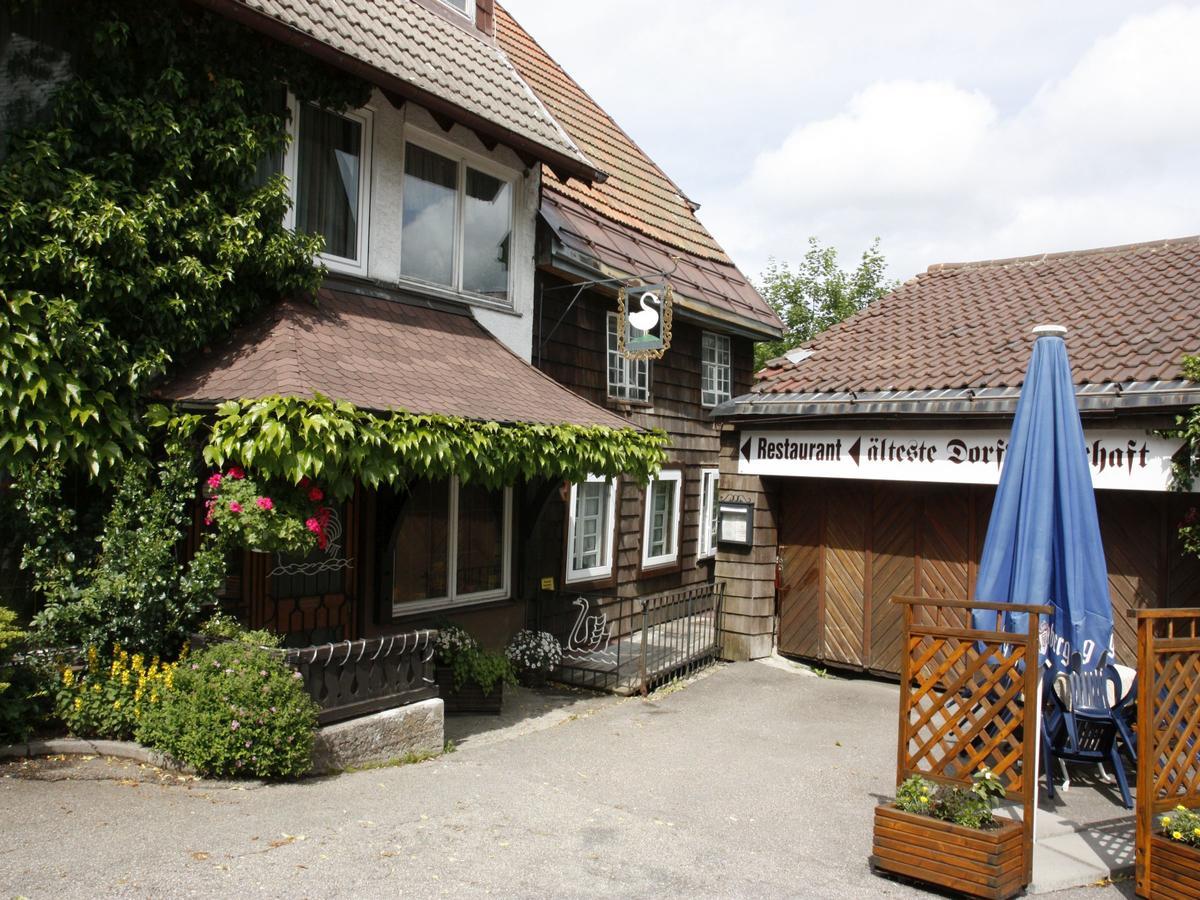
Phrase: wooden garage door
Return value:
(800, 584)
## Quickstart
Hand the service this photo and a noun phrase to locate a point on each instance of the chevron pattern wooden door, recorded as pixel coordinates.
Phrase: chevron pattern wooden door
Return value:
(800, 549)
(896, 509)
(848, 511)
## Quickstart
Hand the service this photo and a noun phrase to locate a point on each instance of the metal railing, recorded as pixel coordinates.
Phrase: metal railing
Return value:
(631, 644)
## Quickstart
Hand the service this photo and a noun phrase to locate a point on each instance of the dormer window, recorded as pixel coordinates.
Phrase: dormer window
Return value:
(466, 7)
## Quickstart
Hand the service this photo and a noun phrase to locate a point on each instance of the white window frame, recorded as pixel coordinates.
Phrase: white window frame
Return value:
(672, 557)
(572, 575)
(452, 597)
(630, 369)
(463, 158)
(469, 12)
(714, 371)
(365, 117)
(707, 540)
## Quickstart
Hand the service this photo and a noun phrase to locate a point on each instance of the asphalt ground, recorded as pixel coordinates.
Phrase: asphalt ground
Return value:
(753, 781)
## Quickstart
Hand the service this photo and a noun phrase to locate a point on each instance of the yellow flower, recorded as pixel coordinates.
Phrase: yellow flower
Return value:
(138, 660)
(1178, 835)
(93, 659)
(125, 678)
(68, 677)
(924, 799)
(154, 696)
(116, 704)
(1181, 808)
(95, 688)
(1165, 822)
(1196, 832)
(78, 704)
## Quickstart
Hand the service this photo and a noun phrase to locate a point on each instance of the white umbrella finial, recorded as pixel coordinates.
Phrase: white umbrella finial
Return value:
(1051, 331)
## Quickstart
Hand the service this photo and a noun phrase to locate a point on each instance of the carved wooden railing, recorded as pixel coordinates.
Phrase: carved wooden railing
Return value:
(1168, 719)
(354, 678)
(968, 698)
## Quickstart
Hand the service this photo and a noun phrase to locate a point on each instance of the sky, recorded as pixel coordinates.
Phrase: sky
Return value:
(952, 130)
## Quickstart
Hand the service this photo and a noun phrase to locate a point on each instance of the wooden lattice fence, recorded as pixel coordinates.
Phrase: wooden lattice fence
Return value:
(1168, 735)
(968, 698)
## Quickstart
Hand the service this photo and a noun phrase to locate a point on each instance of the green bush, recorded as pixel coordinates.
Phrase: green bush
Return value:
(22, 699)
(469, 662)
(108, 700)
(235, 710)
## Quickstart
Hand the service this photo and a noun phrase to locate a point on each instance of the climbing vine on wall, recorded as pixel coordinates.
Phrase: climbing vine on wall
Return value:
(336, 442)
(1187, 462)
(133, 229)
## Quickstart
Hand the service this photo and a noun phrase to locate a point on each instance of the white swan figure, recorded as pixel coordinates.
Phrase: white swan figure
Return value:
(645, 319)
(589, 636)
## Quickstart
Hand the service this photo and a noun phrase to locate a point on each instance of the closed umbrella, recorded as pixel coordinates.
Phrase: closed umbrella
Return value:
(1043, 541)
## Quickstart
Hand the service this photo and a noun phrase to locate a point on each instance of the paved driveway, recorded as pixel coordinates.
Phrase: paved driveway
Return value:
(752, 781)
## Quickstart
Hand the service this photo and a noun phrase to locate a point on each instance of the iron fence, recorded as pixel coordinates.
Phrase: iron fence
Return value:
(631, 644)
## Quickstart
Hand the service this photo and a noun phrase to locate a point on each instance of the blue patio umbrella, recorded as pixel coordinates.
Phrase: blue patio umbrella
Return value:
(1043, 541)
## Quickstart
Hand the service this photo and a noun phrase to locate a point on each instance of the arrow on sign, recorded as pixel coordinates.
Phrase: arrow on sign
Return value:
(855, 451)
(746, 450)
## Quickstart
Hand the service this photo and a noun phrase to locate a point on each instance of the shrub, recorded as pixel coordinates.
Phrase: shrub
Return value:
(1182, 825)
(222, 627)
(274, 518)
(22, 704)
(107, 701)
(461, 652)
(235, 710)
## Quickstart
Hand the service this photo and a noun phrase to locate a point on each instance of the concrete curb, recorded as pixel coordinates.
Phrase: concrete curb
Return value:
(78, 747)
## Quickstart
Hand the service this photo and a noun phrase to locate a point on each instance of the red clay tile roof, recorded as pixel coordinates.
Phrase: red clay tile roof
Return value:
(637, 194)
(429, 52)
(382, 355)
(1132, 313)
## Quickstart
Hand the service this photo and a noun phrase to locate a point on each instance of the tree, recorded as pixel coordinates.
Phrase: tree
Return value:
(818, 294)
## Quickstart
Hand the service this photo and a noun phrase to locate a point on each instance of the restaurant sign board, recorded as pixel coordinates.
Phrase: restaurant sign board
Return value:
(1120, 459)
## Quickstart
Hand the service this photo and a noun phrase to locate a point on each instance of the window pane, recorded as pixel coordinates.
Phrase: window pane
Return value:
(422, 544)
(590, 550)
(480, 540)
(430, 197)
(487, 234)
(662, 524)
(327, 179)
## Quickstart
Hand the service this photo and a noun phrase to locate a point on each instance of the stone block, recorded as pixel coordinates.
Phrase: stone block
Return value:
(392, 734)
(746, 646)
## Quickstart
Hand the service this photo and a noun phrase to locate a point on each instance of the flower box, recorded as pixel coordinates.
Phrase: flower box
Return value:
(1174, 870)
(977, 862)
(468, 699)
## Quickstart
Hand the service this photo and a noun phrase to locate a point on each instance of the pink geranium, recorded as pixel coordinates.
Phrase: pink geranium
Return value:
(237, 473)
(265, 503)
(316, 495)
(313, 525)
(214, 480)
(234, 506)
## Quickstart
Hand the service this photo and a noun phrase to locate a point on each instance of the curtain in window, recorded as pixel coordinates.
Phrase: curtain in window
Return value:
(327, 179)
(422, 544)
(430, 199)
(480, 540)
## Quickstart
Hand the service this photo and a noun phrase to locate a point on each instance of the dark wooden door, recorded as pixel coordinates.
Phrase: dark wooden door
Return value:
(847, 517)
(801, 515)
(893, 541)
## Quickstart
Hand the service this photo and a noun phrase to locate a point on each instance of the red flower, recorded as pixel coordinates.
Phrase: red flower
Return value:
(304, 482)
(237, 473)
(234, 506)
(214, 480)
(313, 525)
(316, 495)
(265, 503)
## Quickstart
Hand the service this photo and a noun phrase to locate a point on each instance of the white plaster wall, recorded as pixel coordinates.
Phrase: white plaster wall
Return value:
(514, 328)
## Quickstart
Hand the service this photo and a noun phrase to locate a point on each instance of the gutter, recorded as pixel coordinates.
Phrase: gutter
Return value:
(398, 90)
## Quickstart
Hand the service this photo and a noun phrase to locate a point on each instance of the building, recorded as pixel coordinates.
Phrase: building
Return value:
(635, 227)
(871, 454)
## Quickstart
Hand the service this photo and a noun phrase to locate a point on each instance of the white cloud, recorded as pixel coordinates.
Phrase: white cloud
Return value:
(1105, 153)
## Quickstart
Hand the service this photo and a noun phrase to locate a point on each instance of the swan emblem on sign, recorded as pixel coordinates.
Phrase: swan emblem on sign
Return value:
(646, 317)
(589, 636)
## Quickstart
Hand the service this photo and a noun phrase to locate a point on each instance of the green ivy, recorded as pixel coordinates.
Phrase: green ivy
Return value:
(1187, 463)
(336, 442)
(132, 229)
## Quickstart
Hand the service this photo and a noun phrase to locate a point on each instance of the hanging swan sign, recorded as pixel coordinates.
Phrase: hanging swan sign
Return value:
(644, 321)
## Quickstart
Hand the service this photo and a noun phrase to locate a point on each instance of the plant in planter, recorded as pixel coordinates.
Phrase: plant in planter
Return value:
(949, 836)
(272, 519)
(1174, 862)
(470, 679)
(533, 655)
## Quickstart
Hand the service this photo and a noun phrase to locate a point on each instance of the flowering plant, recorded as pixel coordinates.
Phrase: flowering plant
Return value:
(250, 514)
(534, 651)
(969, 807)
(453, 642)
(1182, 825)
(108, 701)
(459, 651)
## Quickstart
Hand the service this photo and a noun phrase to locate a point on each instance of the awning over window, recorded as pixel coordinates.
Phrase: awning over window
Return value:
(382, 354)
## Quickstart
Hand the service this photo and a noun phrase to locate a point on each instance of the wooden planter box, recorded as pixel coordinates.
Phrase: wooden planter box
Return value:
(1174, 870)
(978, 863)
(470, 698)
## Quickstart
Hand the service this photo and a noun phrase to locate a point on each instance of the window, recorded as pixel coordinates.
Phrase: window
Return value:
(715, 378)
(329, 168)
(466, 7)
(628, 379)
(451, 546)
(660, 540)
(590, 530)
(456, 224)
(708, 512)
